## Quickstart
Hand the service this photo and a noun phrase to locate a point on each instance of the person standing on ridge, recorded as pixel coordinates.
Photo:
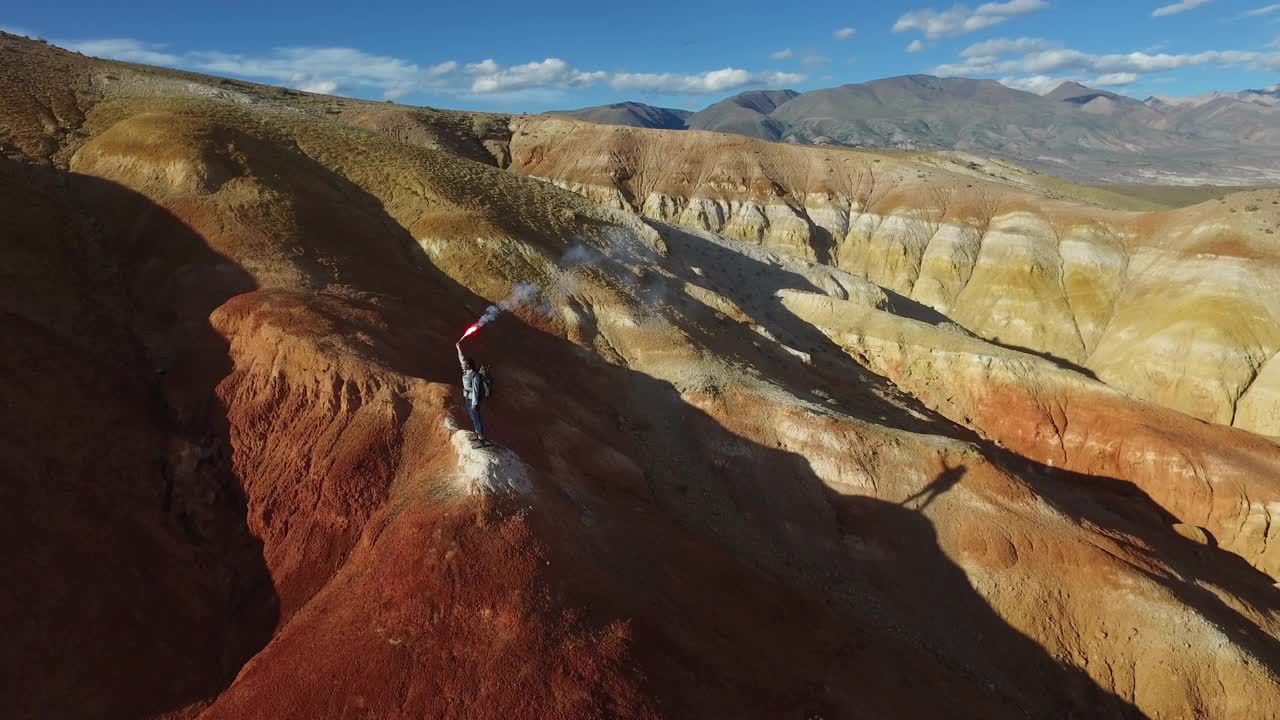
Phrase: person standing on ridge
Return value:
(474, 389)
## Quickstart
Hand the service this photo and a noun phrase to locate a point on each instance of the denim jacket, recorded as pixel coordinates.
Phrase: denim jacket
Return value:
(471, 386)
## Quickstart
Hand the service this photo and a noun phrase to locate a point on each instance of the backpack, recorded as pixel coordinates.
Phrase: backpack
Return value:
(486, 383)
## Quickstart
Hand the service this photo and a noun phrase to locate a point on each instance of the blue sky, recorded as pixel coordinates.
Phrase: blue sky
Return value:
(521, 56)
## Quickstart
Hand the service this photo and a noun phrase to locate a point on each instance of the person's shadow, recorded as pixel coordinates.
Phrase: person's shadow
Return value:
(945, 480)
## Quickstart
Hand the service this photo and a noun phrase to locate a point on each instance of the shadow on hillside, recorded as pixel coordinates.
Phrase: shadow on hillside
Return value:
(741, 532)
(1120, 505)
(752, 588)
(822, 242)
(137, 587)
(1063, 363)
(745, 280)
(900, 304)
(830, 378)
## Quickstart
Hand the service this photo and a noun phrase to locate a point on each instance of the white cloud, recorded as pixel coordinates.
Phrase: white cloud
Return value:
(781, 54)
(815, 60)
(484, 67)
(1004, 46)
(1050, 61)
(326, 70)
(1179, 7)
(1265, 10)
(330, 70)
(844, 33)
(442, 69)
(1045, 84)
(1038, 84)
(708, 83)
(961, 19)
(549, 73)
(916, 46)
(1028, 68)
(553, 73)
(122, 49)
(1114, 80)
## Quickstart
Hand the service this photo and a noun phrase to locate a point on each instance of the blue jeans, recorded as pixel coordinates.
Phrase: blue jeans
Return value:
(474, 412)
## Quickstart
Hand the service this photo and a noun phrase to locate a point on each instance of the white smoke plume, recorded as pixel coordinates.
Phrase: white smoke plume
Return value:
(620, 254)
(624, 257)
(522, 294)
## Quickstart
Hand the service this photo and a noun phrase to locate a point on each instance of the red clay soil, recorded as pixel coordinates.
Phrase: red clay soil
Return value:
(440, 612)
(317, 448)
(1220, 478)
(449, 606)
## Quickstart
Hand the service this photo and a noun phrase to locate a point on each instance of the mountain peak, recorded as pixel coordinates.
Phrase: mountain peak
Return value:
(1069, 87)
(631, 114)
(762, 101)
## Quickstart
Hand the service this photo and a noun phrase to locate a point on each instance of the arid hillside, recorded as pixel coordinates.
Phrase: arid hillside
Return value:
(1178, 307)
(736, 475)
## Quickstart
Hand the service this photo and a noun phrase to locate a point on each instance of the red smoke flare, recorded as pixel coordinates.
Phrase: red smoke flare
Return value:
(470, 331)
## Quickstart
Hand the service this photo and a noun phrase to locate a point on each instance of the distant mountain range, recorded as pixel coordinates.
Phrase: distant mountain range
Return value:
(1075, 131)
